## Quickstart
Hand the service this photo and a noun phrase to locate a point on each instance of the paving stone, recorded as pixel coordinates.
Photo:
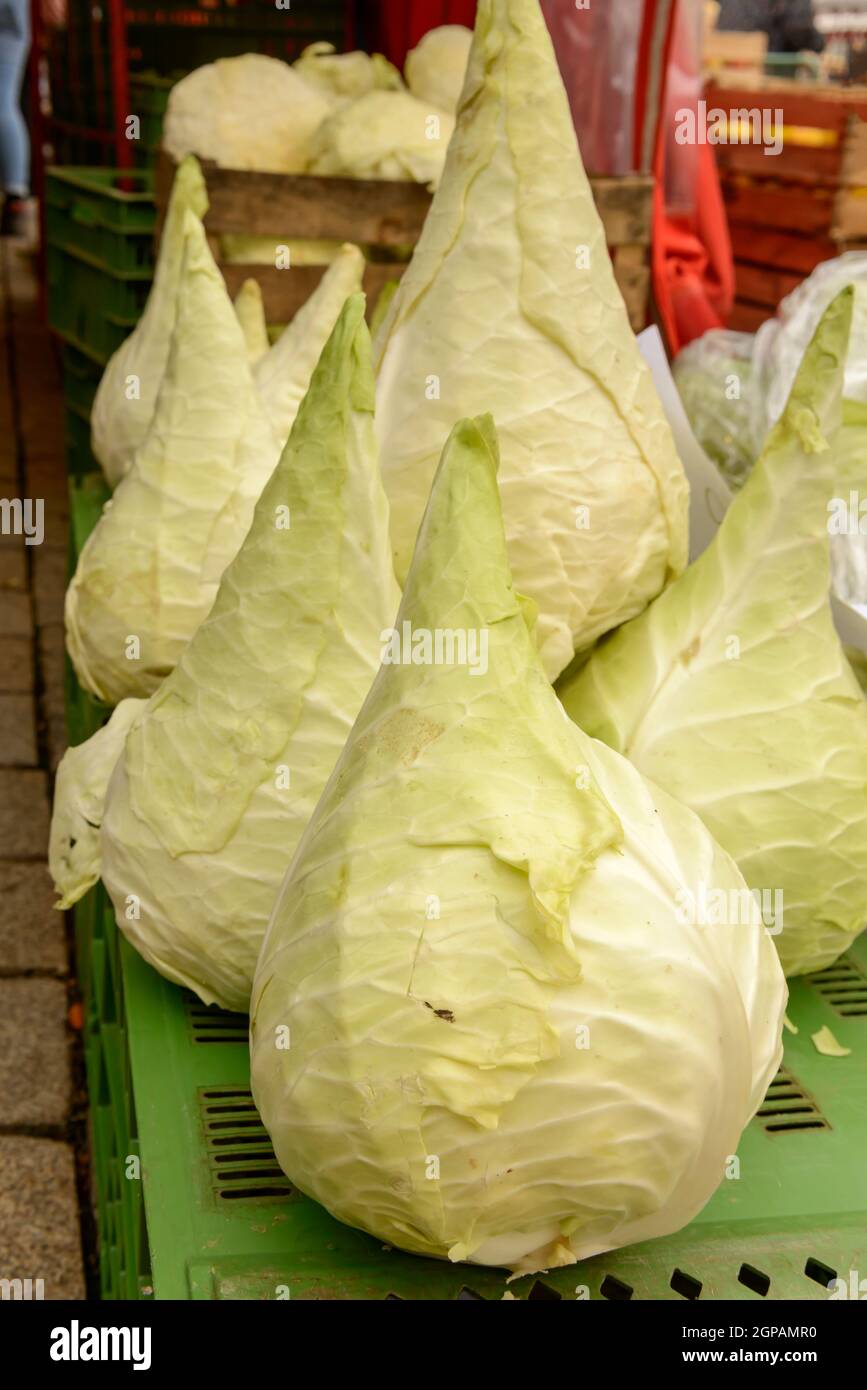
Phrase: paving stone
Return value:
(16, 618)
(49, 569)
(18, 731)
(56, 519)
(56, 737)
(32, 933)
(13, 563)
(40, 1236)
(16, 665)
(49, 608)
(35, 1078)
(46, 471)
(52, 658)
(24, 814)
(49, 583)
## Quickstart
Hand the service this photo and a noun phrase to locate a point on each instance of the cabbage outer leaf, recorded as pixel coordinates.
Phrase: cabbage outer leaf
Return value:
(497, 311)
(733, 691)
(119, 425)
(83, 775)
(283, 374)
(152, 564)
(251, 316)
(478, 880)
(222, 771)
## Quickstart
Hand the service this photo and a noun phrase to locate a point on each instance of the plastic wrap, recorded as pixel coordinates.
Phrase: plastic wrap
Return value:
(714, 376)
(597, 51)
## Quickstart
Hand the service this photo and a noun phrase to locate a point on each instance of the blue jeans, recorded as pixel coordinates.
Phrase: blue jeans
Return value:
(14, 140)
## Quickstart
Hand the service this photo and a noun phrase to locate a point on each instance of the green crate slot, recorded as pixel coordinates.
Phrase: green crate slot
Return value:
(104, 196)
(81, 377)
(89, 305)
(213, 1216)
(149, 92)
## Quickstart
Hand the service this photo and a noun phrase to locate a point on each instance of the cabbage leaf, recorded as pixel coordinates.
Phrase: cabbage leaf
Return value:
(480, 884)
(251, 316)
(283, 374)
(125, 399)
(510, 304)
(222, 770)
(150, 569)
(733, 691)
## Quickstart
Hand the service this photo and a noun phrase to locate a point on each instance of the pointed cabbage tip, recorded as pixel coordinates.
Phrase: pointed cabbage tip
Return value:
(189, 183)
(814, 406)
(351, 333)
(462, 532)
(197, 252)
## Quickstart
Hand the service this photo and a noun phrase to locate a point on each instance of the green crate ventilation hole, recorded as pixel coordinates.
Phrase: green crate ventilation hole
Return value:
(244, 1166)
(843, 986)
(789, 1106)
(241, 1170)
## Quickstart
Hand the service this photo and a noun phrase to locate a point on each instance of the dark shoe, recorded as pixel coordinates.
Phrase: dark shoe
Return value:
(15, 218)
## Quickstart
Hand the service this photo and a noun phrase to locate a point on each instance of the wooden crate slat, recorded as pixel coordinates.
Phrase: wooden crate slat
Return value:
(625, 206)
(785, 251)
(761, 284)
(788, 208)
(378, 213)
(748, 318)
(799, 163)
(824, 109)
(284, 291)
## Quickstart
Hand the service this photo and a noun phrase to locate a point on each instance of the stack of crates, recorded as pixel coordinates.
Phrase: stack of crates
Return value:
(99, 268)
(148, 99)
(192, 32)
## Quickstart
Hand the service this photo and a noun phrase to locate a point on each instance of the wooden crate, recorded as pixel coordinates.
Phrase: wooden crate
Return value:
(384, 216)
(789, 212)
(744, 52)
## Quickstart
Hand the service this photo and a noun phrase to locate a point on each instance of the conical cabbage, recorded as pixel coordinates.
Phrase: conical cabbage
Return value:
(83, 775)
(283, 374)
(510, 304)
(125, 399)
(149, 572)
(251, 316)
(734, 694)
(223, 768)
(482, 1025)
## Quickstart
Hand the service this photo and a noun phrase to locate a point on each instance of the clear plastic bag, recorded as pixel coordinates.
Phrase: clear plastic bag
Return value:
(782, 341)
(597, 51)
(714, 377)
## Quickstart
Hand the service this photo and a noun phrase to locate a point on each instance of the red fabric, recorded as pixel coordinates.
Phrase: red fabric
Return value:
(693, 267)
(395, 26)
(649, 53)
(691, 255)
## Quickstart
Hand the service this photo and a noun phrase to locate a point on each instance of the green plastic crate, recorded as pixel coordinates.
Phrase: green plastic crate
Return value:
(116, 1184)
(79, 455)
(223, 1222)
(149, 92)
(213, 1217)
(81, 377)
(90, 306)
(106, 215)
(99, 254)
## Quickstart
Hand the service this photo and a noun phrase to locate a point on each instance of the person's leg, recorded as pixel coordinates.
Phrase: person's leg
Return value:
(14, 140)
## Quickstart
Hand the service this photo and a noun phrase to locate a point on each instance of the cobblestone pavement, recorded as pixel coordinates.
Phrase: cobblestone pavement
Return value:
(40, 1233)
